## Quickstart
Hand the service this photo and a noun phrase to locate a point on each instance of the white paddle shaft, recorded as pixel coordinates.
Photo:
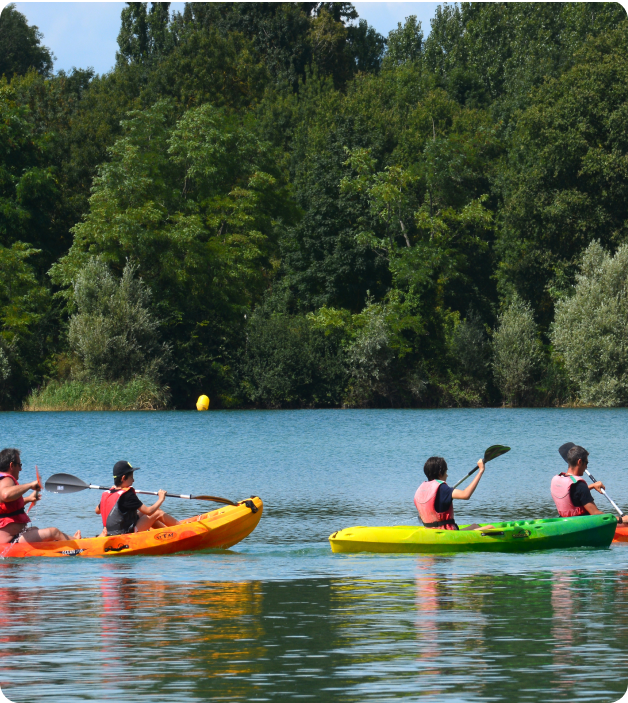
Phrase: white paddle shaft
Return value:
(604, 493)
(146, 493)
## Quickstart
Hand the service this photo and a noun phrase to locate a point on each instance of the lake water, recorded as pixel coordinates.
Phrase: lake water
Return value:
(280, 617)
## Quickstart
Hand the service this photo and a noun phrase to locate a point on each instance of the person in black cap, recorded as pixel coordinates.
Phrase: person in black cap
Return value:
(123, 512)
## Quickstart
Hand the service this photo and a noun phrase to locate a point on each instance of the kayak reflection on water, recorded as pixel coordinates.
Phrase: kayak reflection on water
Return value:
(13, 518)
(123, 512)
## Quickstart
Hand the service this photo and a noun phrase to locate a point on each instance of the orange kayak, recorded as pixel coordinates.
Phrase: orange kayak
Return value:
(218, 529)
(621, 533)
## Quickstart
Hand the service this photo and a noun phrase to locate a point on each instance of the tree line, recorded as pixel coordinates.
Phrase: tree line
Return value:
(275, 205)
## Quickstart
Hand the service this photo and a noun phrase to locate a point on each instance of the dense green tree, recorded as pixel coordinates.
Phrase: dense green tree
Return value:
(20, 46)
(198, 204)
(405, 43)
(28, 186)
(321, 217)
(27, 333)
(566, 179)
(292, 37)
(113, 334)
(591, 328)
(145, 34)
(497, 52)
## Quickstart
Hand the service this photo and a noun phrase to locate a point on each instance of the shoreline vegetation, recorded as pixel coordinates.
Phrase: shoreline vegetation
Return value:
(138, 394)
(276, 206)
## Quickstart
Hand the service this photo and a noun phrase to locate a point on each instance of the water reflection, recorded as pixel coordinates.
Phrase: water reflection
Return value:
(538, 637)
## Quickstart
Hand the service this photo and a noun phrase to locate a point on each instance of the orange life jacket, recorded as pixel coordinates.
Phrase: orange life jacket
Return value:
(116, 522)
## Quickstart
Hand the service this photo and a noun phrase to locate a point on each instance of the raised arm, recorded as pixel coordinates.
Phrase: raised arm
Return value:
(469, 490)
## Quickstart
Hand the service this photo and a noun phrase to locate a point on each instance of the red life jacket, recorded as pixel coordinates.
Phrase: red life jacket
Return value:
(108, 501)
(560, 493)
(424, 499)
(13, 511)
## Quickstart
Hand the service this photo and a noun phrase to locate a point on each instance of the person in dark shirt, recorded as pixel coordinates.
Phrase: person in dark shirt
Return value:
(434, 498)
(123, 512)
(570, 491)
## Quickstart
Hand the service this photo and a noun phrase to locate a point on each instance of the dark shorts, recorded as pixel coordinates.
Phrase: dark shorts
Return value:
(16, 537)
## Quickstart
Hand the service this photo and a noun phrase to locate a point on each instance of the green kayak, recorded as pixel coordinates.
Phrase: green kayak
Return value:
(514, 536)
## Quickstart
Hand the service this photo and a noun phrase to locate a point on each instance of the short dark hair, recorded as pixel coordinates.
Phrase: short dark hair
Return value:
(117, 480)
(575, 454)
(435, 467)
(8, 456)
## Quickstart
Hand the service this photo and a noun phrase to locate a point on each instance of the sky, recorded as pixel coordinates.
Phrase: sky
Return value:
(83, 34)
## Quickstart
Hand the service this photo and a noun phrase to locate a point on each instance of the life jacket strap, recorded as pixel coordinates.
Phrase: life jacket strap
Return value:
(439, 523)
(15, 512)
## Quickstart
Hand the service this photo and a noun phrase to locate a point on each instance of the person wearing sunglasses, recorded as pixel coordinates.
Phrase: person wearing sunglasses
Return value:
(14, 521)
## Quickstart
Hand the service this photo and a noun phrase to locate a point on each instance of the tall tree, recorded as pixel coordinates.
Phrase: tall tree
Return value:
(20, 46)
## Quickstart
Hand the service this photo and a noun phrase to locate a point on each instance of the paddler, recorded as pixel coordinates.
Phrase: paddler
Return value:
(13, 518)
(570, 491)
(434, 498)
(123, 512)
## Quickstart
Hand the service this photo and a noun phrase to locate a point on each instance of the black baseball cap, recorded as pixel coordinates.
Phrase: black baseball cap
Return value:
(120, 468)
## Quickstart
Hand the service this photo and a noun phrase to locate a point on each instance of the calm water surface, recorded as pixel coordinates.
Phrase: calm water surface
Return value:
(280, 617)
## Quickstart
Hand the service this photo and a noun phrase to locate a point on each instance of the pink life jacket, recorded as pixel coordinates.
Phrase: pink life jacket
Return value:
(424, 499)
(13, 511)
(560, 493)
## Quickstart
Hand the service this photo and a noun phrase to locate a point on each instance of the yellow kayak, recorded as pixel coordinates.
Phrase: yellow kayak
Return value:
(513, 536)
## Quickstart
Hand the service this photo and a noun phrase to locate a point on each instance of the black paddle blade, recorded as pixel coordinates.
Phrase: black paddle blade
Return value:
(65, 483)
(495, 451)
(564, 450)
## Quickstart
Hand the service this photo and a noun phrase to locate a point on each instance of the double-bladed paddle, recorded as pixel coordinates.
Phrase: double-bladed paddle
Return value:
(491, 453)
(564, 450)
(66, 483)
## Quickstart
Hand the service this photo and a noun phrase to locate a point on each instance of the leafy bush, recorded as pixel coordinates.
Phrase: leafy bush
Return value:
(288, 362)
(113, 334)
(370, 359)
(591, 328)
(517, 352)
(138, 394)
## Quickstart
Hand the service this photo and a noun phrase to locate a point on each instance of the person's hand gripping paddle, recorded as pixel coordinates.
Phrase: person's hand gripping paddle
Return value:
(564, 450)
(39, 491)
(491, 453)
(66, 483)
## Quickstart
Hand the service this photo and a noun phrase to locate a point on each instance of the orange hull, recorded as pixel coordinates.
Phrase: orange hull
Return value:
(218, 529)
(621, 533)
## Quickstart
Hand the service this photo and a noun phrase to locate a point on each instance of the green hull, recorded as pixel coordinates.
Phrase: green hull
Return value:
(514, 536)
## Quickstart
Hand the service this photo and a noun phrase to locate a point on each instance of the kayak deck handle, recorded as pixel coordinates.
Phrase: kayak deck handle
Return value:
(250, 504)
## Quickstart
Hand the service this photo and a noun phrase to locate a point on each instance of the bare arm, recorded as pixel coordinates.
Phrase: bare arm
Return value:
(592, 509)
(145, 510)
(9, 492)
(469, 490)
